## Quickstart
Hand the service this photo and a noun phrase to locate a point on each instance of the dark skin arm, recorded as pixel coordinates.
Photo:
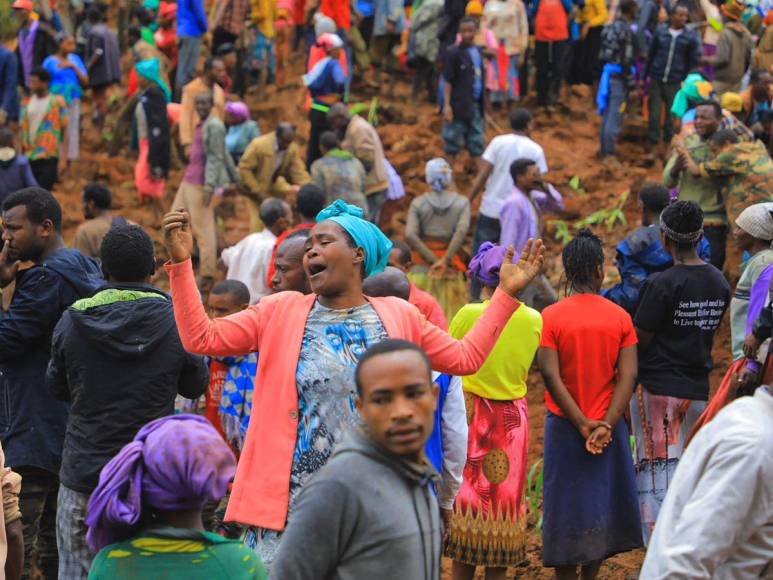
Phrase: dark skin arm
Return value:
(15, 560)
(645, 338)
(627, 364)
(549, 365)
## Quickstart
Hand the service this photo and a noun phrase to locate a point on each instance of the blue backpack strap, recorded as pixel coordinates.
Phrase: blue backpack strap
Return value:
(434, 447)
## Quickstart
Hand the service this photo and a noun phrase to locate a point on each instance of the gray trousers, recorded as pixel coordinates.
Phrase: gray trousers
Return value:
(190, 49)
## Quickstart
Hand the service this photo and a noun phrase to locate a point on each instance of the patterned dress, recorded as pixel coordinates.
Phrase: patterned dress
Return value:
(333, 342)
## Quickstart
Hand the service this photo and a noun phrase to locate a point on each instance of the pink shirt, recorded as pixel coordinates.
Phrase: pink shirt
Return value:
(274, 327)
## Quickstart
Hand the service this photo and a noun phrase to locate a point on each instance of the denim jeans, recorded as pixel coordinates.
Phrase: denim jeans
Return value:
(487, 230)
(190, 49)
(613, 116)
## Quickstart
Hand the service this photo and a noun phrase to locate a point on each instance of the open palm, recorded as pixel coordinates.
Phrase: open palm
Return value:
(513, 278)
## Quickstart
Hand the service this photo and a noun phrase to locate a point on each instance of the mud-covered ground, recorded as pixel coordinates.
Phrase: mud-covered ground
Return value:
(411, 135)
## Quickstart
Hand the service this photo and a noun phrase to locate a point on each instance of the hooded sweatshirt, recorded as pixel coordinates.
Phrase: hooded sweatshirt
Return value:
(32, 422)
(117, 358)
(366, 514)
(734, 52)
(437, 216)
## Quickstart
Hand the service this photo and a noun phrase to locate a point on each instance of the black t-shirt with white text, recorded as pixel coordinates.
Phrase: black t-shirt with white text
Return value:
(683, 307)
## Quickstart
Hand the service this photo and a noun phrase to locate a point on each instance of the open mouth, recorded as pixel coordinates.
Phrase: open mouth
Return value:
(315, 269)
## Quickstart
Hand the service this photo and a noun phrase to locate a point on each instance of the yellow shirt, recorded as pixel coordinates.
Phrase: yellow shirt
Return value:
(503, 376)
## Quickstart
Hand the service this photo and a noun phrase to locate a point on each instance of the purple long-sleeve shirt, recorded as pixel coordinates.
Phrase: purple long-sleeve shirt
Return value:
(521, 217)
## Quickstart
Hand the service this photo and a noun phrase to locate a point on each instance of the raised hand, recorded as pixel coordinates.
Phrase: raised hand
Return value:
(8, 267)
(515, 277)
(178, 237)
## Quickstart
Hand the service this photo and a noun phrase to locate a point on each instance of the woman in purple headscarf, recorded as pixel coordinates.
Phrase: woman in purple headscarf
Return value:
(241, 129)
(145, 514)
(488, 526)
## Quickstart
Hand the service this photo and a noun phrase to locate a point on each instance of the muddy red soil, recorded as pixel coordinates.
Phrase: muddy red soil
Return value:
(411, 134)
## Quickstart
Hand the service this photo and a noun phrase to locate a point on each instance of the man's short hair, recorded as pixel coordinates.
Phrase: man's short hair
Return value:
(520, 119)
(519, 167)
(41, 205)
(468, 20)
(42, 74)
(724, 137)
(235, 288)
(311, 200)
(654, 196)
(272, 210)
(99, 194)
(329, 140)
(127, 254)
(386, 347)
(209, 64)
(404, 249)
(391, 282)
(714, 105)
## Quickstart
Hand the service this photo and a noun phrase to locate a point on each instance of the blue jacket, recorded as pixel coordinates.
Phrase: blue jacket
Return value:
(639, 256)
(434, 446)
(459, 71)
(191, 18)
(666, 67)
(32, 423)
(9, 84)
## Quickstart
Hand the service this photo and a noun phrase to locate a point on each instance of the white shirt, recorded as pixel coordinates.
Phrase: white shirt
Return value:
(248, 262)
(453, 421)
(717, 518)
(501, 153)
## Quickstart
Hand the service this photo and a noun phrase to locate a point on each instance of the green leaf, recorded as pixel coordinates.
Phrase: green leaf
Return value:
(574, 183)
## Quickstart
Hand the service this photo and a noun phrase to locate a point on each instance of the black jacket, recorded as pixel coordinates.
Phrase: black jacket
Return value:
(459, 72)
(118, 359)
(671, 61)
(31, 421)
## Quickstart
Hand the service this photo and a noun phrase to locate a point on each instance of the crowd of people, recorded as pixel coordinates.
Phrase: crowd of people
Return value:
(319, 400)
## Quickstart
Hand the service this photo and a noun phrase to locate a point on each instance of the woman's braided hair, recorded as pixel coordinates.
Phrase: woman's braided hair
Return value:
(682, 223)
(581, 258)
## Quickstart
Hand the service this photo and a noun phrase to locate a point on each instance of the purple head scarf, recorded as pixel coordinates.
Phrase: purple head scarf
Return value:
(486, 264)
(174, 463)
(238, 110)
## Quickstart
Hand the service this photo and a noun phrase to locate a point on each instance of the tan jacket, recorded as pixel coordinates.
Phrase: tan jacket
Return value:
(259, 174)
(362, 140)
(188, 117)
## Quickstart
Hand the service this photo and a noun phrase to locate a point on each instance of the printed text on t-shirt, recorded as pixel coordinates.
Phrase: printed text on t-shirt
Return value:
(706, 314)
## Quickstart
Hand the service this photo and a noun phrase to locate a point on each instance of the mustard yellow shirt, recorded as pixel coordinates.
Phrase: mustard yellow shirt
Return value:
(503, 376)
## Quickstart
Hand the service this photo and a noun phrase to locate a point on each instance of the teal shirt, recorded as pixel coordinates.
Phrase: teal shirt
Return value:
(166, 553)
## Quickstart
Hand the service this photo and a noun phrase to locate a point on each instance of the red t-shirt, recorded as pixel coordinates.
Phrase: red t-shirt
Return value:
(218, 371)
(552, 22)
(588, 332)
(428, 306)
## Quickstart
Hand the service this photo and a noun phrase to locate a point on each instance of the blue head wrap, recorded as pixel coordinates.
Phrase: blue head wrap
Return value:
(151, 70)
(365, 234)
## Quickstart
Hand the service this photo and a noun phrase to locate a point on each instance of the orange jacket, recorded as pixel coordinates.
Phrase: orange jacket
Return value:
(274, 327)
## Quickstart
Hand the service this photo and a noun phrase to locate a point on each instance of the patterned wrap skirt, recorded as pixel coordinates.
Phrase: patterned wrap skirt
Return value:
(590, 508)
(660, 426)
(488, 527)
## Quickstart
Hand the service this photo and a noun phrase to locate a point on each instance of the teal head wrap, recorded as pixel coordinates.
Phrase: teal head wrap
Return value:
(694, 90)
(151, 70)
(365, 234)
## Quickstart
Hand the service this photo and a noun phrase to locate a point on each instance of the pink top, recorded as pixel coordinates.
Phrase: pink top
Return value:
(274, 327)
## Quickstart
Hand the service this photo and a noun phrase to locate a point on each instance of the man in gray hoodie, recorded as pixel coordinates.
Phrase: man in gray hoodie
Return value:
(371, 512)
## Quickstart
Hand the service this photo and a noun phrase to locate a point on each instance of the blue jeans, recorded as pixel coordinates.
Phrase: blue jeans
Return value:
(190, 49)
(470, 134)
(612, 122)
(487, 230)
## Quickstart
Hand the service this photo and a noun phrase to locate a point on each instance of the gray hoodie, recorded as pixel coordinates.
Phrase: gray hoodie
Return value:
(366, 514)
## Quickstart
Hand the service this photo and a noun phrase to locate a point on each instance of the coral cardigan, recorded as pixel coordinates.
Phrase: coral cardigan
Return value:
(274, 327)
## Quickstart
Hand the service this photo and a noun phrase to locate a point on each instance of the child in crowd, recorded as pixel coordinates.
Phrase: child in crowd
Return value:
(437, 225)
(488, 526)
(588, 360)
(679, 312)
(464, 94)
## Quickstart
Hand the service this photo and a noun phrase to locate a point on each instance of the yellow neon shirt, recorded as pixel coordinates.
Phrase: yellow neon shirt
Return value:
(503, 376)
